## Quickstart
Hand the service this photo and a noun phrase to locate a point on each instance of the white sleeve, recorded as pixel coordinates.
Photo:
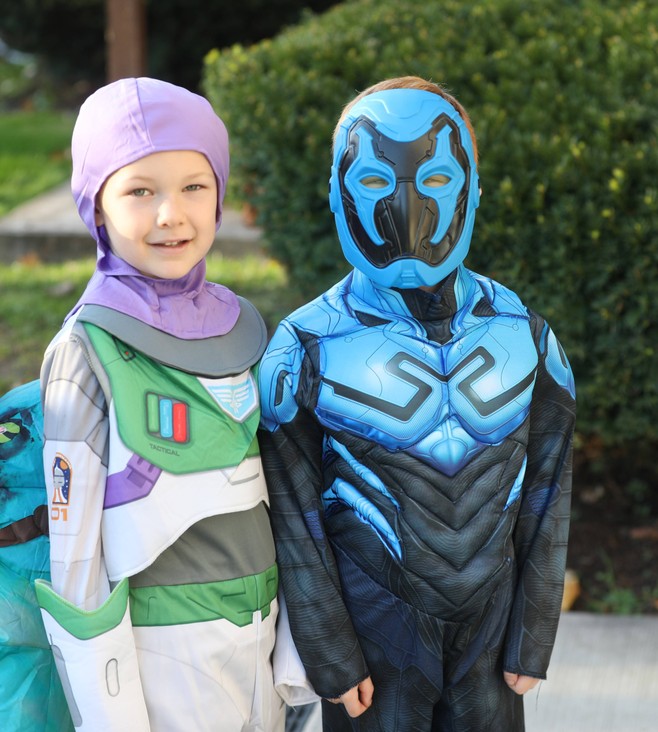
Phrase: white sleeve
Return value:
(75, 466)
(96, 660)
(88, 626)
(290, 678)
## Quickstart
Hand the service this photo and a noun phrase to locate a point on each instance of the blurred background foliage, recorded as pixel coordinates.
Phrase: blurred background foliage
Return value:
(564, 98)
(68, 36)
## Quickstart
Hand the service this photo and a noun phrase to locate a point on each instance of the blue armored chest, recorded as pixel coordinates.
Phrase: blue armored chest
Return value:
(443, 403)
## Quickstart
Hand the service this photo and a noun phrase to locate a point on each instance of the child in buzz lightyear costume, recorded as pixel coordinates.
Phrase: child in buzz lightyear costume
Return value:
(163, 600)
(420, 494)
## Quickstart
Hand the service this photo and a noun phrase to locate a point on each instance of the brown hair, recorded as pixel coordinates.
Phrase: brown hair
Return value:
(413, 82)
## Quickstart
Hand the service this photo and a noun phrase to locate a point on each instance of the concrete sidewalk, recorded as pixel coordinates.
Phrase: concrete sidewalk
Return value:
(603, 678)
(49, 228)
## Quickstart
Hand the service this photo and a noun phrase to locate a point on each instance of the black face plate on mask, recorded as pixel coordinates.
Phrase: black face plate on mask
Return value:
(406, 219)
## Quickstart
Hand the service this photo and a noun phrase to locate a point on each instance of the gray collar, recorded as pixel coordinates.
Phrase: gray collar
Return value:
(213, 357)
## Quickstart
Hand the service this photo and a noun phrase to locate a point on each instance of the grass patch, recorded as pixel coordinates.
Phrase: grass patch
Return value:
(34, 154)
(35, 300)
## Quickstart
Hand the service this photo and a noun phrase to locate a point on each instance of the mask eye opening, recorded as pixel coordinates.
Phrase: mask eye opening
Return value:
(436, 181)
(374, 182)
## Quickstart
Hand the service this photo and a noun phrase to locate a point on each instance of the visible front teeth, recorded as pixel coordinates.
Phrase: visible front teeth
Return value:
(172, 243)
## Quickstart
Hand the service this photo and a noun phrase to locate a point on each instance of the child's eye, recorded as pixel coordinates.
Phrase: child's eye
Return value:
(139, 192)
(194, 187)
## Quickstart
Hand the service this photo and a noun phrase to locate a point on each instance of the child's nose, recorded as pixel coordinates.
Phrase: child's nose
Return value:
(170, 211)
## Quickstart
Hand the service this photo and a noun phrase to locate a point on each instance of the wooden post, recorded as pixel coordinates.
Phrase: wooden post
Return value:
(125, 38)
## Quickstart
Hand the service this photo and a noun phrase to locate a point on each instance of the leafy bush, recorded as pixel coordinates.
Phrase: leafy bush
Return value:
(563, 95)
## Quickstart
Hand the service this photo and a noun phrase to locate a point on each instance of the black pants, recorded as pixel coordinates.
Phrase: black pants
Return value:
(429, 675)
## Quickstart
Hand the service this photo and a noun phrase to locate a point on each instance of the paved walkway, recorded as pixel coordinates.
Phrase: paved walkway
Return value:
(604, 672)
(603, 677)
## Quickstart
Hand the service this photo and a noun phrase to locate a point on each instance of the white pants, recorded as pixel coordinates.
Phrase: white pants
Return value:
(210, 677)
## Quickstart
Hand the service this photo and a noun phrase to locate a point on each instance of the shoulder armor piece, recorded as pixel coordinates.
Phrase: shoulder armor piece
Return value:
(213, 357)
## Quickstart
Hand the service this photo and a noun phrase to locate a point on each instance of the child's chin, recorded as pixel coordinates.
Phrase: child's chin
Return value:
(169, 270)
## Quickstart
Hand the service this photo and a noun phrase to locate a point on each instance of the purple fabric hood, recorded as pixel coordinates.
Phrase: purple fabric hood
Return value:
(118, 124)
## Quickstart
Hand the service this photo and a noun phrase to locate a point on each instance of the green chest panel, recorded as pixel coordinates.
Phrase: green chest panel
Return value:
(178, 422)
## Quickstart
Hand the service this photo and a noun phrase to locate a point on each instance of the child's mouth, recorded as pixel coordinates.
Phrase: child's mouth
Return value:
(172, 244)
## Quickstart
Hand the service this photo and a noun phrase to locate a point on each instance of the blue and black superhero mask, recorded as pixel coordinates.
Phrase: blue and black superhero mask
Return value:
(404, 187)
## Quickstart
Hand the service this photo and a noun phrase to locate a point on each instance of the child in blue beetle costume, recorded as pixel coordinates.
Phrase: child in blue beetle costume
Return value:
(417, 434)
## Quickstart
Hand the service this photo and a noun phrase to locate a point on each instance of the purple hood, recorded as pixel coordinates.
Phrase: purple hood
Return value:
(118, 124)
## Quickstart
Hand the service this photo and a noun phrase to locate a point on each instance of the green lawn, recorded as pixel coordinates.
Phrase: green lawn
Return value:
(34, 138)
(34, 154)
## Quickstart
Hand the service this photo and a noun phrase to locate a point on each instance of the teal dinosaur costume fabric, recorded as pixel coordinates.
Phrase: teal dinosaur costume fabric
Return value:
(31, 697)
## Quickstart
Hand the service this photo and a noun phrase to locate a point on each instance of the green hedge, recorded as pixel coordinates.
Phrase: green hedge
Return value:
(564, 98)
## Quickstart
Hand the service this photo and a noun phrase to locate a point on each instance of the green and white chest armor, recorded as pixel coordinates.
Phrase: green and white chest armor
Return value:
(182, 447)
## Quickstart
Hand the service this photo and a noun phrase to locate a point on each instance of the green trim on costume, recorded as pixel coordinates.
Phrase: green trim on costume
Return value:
(235, 600)
(84, 624)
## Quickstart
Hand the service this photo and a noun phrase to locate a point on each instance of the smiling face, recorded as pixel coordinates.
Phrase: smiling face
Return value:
(160, 212)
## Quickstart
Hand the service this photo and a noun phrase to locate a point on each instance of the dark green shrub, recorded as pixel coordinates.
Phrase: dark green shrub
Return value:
(181, 32)
(564, 98)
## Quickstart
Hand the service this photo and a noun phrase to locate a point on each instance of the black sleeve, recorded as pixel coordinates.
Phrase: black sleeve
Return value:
(542, 528)
(319, 621)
